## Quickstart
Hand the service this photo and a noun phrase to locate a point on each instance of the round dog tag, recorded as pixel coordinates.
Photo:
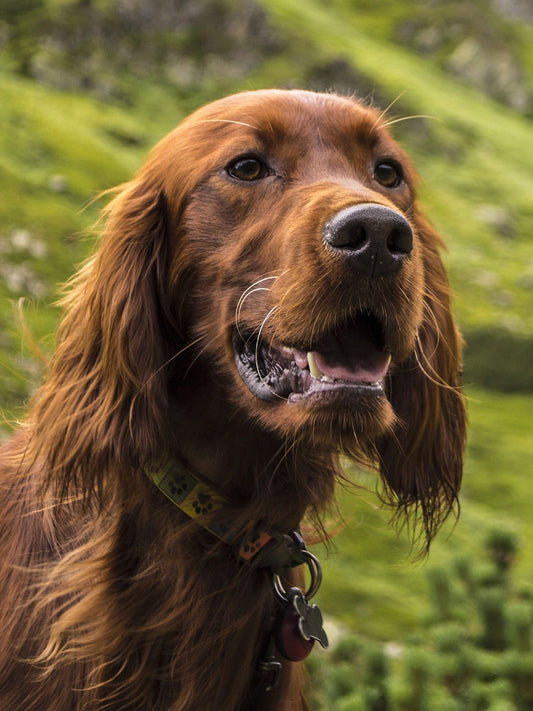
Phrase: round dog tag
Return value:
(290, 642)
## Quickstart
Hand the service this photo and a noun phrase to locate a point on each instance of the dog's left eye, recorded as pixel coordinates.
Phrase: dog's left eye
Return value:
(248, 168)
(388, 174)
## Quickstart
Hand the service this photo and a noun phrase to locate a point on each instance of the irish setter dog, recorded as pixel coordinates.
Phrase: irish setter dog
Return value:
(266, 297)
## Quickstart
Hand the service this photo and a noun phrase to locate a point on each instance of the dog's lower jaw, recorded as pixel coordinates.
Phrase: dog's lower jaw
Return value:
(349, 360)
(325, 419)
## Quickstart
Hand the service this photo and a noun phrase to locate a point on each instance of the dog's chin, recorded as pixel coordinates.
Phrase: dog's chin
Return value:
(343, 422)
(336, 384)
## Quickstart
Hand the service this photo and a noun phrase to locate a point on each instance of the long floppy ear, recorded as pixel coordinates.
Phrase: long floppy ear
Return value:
(421, 462)
(106, 394)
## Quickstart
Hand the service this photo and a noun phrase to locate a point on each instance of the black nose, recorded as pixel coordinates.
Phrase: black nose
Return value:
(372, 238)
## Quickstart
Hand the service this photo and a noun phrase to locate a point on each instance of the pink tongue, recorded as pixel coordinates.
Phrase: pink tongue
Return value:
(370, 369)
(354, 357)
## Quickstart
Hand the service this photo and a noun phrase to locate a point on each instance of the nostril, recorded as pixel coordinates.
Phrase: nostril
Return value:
(345, 234)
(400, 240)
(352, 236)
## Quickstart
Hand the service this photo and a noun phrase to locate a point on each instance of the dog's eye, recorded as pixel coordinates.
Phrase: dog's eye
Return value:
(388, 174)
(248, 168)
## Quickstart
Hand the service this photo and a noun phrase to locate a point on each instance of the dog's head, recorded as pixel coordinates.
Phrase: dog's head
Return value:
(274, 238)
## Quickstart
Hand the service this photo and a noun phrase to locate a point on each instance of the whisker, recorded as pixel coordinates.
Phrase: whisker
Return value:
(269, 314)
(284, 448)
(237, 123)
(240, 306)
(165, 364)
(253, 288)
(433, 376)
(386, 110)
(261, 378)
(408, 118)
(200, 352)
(431, 314)
(169, 361)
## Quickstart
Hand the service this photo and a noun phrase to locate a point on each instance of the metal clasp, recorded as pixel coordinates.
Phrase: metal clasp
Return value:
(316, 577)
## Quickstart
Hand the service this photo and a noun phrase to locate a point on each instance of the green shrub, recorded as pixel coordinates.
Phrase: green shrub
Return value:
(487, 357)
(353, 702)
(520, 625)
(475, 655)
(11, 10)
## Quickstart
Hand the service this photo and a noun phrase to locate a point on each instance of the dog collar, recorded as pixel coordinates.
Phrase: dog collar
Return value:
(254, 543)
(297, 624)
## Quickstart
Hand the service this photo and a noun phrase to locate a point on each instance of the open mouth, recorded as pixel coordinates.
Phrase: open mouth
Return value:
(352, 360)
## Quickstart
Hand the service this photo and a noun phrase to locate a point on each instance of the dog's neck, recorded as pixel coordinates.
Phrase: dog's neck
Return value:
(226, 458)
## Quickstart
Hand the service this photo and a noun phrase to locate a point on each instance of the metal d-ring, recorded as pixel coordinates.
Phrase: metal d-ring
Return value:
(316, 577)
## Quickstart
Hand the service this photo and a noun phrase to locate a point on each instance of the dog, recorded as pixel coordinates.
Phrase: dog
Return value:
(266, 296)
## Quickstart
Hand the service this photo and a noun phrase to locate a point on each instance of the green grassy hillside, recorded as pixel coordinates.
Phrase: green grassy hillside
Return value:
(65, 136)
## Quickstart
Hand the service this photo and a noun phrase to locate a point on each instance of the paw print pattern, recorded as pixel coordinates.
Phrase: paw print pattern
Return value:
(193, 497)
(252, 545)
(200, 501)
(202, 504)
(177, 487)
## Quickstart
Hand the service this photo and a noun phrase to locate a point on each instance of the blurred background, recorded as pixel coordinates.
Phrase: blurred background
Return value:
(88, 86)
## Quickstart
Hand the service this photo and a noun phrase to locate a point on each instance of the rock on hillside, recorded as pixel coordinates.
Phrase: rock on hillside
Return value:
(516, 9)
(480, 42)
(91, 45)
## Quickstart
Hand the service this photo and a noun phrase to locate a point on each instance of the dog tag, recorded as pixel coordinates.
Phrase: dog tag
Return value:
(310, 622)
(290, 642)
(298, 626)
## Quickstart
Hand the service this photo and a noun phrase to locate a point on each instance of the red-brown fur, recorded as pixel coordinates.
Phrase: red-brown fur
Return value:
(111, 597)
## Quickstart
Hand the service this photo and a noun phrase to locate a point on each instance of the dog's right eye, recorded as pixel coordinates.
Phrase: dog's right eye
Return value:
(248, 168)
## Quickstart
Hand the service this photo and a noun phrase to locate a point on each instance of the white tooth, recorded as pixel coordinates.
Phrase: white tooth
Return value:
(287, 352)
(327, 379)
(313, 367)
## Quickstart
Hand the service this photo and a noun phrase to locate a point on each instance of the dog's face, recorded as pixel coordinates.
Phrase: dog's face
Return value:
(306, 263)
(268, 267)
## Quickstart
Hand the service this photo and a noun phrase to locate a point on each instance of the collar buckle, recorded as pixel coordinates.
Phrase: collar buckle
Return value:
(274, 550)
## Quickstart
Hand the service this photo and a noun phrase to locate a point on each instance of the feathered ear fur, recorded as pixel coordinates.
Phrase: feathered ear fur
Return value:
(421, 463)
(105, 395)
